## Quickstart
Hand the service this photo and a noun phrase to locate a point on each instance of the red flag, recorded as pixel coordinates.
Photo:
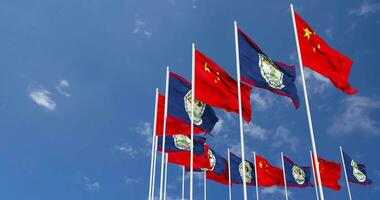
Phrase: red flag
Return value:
(217, 88)
(320, 57)
(173, 125)
(330, 173)
(219, 178)
(183, 158)
(267, 175)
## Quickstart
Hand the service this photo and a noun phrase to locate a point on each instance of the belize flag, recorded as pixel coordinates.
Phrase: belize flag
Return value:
(356, 173)
(219, 168)
(179, 143)
(179, 106)
(258, 70)
(296, 176)
(236, 168)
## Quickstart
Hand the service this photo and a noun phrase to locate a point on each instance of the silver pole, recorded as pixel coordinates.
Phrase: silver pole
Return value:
(283, 171)
(345, 173)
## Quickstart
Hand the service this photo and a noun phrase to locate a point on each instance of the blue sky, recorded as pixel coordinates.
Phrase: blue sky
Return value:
(77, 86)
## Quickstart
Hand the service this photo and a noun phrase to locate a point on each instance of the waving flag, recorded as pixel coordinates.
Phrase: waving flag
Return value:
(267, 175)
(181, 143)
(174, 125)
(296, 176)
(179, 105)
(218, 171)
(200, 161)
(330, 173)
(320, 57)
(217, 88)
(258, 70)
(236, 168)
(356, 173)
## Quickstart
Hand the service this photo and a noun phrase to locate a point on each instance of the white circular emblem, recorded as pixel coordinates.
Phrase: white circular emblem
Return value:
(182, 142)
(212, 158)
(248, 171)
(360, 176)
(199, 108)
(270, 73)
(298, 174)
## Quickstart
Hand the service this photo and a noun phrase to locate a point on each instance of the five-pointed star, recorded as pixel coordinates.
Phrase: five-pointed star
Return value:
(307, 33)
(206, 68)
(260, 164)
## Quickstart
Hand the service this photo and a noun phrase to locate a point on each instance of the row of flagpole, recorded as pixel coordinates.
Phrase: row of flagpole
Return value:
(313, 153)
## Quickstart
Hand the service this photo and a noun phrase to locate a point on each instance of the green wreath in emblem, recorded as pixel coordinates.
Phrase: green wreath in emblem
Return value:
(182, 142)
(248, 171)
(199, 108)
(270, 73)
(298, 174)
(360, 176)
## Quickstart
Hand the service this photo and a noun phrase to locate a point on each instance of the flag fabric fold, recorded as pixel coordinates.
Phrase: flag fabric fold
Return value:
(267, 175)
(258, 70)
(356, 172)
(321, 58)
(236, 169)
(330, 173)
(217, 88)
(297, 176)
(181, 143)
(182, 158)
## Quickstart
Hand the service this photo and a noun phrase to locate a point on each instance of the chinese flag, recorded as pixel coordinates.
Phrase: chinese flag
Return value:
(330, 173)
(217, 88)
(320, 57)
(173, 125)
(267, 175)
(183, 158)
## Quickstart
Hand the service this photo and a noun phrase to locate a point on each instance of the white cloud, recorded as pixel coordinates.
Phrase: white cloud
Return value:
(129, 180)
(315, 82)
(142, 27)
(356, 116)
(218, 127)
(146, 130)
(91, 185)
(41, 97)
(262, 100)
(271, 191)
(256, 131)
(62, 84)
(127, 149)
(283, 137)
(366, 8)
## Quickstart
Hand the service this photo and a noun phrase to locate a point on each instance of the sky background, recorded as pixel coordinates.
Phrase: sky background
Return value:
(77, 83)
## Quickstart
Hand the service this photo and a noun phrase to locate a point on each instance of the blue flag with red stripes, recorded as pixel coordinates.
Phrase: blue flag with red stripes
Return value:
(297, 176)
(179, 143)
(356, 172)
(237, 168)
(179, 106)
(258, 70)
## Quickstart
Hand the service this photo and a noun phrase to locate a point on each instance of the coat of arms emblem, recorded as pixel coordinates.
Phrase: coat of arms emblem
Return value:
(212, 158)
(182, 142)
(269, 71)
(360, 176)
(199, 108)
(248, 171)
(298, 174)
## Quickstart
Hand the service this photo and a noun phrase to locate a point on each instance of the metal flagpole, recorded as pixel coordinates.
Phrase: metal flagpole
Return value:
(240, 109)
(154, 166)
(153, 145)
(315, 180)
(256, 178)
(314, 147)
(192, 119)
(229, 175)
(283, 171)
(204, 185)
(345, 173)
(164, 131)
(183, 182)
(166, 174)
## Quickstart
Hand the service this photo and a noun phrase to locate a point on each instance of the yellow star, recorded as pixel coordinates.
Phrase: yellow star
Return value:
(260, 164)
(319, 46)
(206, 68)
(307, 33)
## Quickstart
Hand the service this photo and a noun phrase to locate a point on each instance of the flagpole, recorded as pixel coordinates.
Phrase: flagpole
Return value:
(229, 175)
(314, 147)
(204, 185)
(192, 119)
(153, 145)
(166, 174)
(283, 171)
(154, 166)
(183, 182)
(256, 178)
(314, 176)
(164, 131)
(240, 108)
(345, 172)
